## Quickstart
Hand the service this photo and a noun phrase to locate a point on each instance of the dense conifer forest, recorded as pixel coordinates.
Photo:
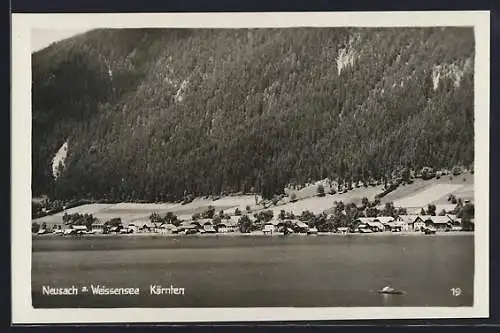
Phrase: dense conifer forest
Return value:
(158, 114)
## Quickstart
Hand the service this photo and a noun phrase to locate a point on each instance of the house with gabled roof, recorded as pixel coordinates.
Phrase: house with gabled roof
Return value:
(203, 222)
(208, 228)
(439, 223)
(385, 220)
(363, 220)
(412, 222)
(370, 223)
(300, 226)
(269, 228)
(169, 228)
(375, 226)
(188, 227)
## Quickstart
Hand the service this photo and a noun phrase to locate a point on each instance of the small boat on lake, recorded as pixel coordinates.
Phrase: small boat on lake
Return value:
(391, 291)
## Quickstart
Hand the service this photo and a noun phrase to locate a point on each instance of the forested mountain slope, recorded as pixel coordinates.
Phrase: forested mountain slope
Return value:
(153, 114)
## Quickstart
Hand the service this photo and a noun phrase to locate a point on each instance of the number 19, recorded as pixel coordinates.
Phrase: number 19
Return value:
(456, 291)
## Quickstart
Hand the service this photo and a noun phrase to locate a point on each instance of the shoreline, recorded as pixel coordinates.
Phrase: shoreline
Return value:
(254, 234)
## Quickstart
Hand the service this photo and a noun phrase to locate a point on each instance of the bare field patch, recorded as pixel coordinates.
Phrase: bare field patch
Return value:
(144, 206)
(427, 196)
(200, 209)
(315, 205)
(240, 202)
(87, 209)
(318, 205)
(84, 209)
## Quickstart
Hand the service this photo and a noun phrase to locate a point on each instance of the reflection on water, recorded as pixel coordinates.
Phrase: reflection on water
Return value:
(385, 298)
(258, 271)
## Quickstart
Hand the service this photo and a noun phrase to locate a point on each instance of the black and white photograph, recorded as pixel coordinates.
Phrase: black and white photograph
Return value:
(337, 163)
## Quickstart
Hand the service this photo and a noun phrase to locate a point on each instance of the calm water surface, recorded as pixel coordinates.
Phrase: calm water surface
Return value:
(298, 271)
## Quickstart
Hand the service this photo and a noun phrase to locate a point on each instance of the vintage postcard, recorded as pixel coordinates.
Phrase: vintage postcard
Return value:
(250, 166)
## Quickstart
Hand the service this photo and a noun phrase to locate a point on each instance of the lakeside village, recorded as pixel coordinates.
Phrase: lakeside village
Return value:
(368, 217)
(345, 219)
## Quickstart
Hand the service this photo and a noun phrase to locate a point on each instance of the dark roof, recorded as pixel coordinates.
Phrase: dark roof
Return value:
(439, 219)
(190, 226)
(229, 223)
(411, 218)
(301, 224)
(384, 219)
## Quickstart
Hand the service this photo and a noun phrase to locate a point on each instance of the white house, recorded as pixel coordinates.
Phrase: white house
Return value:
(131, 227)
(79, 229)
(412, 222)
(342, 230)
(269, 228)
(69, 231)
(169, 229)
(208, 228)
(98, 227)
(312, 231)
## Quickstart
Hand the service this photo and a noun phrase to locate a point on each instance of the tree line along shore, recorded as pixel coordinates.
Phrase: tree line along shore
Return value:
(369, 217)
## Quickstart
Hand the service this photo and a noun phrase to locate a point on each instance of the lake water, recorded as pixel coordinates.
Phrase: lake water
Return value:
(253, 271)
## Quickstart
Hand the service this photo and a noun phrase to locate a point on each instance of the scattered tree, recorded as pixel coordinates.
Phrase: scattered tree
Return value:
(170, 218)
(209, 212)
(401, 211)
(320, 190)
(155, 218)
(216, 220)
(264, 216)
(427, 173)
(406, 175)
(365, 202)
(114, 222)
(306, 216)
(467, 211)
(372, 212)
(389, 209)
(431, 209)
(456, 170)
(245, 224)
